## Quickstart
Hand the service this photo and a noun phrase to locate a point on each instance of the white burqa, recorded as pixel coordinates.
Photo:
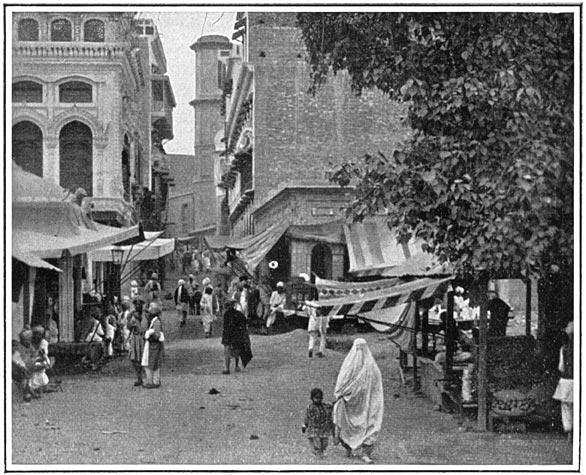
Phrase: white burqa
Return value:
(358, 410)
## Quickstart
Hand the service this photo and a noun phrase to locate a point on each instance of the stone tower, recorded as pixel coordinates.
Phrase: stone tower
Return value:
(210, 51)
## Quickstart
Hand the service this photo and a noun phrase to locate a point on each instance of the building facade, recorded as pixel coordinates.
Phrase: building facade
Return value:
(181, 216)
(281, 141)
(91, 109)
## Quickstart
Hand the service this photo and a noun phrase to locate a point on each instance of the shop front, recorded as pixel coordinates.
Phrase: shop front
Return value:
(50, 241)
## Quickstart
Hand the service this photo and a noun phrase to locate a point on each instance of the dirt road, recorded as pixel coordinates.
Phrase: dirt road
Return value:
(254, 419)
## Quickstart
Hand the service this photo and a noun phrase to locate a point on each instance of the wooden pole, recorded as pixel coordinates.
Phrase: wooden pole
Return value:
(482, 362)
(416, 330)
(425, 334)
(528, 308)
(449, 336)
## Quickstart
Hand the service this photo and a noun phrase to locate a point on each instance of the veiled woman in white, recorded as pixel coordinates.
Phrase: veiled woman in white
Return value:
(358, 411)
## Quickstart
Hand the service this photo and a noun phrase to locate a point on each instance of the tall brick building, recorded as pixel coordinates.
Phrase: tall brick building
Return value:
(281, 140)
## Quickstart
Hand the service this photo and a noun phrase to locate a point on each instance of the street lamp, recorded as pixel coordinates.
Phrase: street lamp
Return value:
(117, 256)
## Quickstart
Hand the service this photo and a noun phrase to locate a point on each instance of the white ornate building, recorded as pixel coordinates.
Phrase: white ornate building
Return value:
(92, 107)
(89, 93)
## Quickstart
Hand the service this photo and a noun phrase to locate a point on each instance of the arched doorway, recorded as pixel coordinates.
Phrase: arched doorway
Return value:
(27, 147)
(321, 262)
(76, 157)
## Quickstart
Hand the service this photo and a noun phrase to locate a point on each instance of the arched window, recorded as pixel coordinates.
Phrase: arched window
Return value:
(75, 91)
(28, 30)
(61, 30)
(93, 30)
(76, 157)
(27, 91)
(27, 147)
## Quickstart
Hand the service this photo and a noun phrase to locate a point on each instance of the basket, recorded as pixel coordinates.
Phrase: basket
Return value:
(512, 403)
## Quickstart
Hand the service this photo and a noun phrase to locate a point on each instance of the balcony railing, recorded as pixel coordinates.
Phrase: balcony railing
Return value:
(70, 50)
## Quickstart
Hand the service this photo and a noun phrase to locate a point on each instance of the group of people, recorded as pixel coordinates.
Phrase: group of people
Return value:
(139, 329)
(146, 343)
(31, 362)
(258, 301)
(355, 418)
(207, 303)
(194, 261)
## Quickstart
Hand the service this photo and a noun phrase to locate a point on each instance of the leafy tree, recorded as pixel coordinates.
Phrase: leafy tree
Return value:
(486, 178)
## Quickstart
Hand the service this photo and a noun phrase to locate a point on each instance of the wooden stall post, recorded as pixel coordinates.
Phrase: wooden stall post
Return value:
(528, 308)
(449, 336)
(482, 361)
(415, 330)
(425, 334)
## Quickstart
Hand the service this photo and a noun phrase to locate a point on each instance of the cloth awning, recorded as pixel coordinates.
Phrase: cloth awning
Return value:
(148, 250)
(365, 303)
(28, 187)
(251, 249)
(332, 232)
(31, 260)
(331, 289)
(387, 305)
(46, 229)
(373, 248)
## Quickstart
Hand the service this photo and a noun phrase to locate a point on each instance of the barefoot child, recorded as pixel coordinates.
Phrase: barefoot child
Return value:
(318, 424)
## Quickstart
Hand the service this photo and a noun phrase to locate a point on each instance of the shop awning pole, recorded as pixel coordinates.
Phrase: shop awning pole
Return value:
(416, 385)
(450, 334)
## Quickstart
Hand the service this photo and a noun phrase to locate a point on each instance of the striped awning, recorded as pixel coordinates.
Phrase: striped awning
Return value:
(374, 301)
(331, 289)
(373, 247)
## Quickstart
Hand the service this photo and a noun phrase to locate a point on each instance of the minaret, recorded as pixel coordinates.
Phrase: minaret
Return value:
(209, 124)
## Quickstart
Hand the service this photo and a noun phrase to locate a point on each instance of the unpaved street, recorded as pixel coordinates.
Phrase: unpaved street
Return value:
(254, 419)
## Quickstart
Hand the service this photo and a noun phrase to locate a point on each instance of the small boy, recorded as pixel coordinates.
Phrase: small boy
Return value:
(318, 423)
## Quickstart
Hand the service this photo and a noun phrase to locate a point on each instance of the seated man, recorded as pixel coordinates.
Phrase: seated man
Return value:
(276, 304)
(38, 362)
(20, 355)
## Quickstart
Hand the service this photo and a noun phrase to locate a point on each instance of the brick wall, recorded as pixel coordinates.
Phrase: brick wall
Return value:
(298, 136)
(302, 207)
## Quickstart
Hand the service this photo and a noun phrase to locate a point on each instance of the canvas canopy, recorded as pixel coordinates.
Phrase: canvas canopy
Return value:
(388, 309)
(252, 249)
(32, 260)
(47, 229)
(151, 248)
(373, 248)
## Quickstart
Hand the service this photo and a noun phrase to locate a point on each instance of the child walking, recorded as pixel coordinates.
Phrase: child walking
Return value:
(318, 424)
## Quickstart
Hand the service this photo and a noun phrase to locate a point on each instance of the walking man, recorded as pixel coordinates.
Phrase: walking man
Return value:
(181, 299)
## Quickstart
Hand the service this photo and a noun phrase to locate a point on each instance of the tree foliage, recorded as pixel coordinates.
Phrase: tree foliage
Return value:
(486, 178)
